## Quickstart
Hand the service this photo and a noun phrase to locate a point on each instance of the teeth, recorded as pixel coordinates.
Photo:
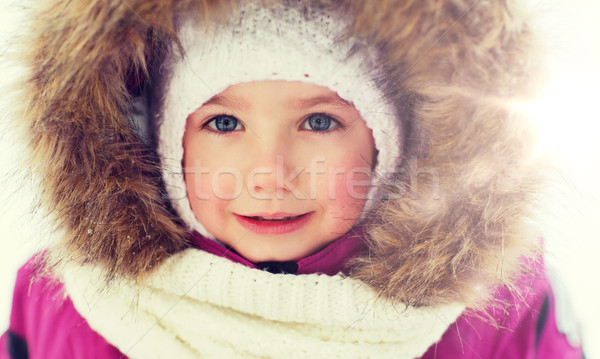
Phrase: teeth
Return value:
(275, 219)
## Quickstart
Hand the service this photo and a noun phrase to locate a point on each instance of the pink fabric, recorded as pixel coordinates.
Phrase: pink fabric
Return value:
(212, 247)
(522, 325)
(330, 260)
(49, 323)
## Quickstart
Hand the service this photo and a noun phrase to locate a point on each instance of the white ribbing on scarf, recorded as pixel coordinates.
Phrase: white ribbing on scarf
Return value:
(275, 43)
(200, 305)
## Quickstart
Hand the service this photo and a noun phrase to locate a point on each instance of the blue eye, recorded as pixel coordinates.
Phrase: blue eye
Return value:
(224, 123)
(319, 122)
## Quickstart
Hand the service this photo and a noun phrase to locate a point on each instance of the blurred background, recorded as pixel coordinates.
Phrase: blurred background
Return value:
(568, 117)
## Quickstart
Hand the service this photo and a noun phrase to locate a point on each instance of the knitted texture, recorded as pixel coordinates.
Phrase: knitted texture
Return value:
(275, 43)
(197, 304)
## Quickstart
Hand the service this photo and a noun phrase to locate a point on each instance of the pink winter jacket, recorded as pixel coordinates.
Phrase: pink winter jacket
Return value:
(44, 323)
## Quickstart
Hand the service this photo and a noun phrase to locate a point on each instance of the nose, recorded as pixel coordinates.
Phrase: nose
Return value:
(273, 170)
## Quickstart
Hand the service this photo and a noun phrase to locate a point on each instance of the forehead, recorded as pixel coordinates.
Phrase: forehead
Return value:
(293, 94)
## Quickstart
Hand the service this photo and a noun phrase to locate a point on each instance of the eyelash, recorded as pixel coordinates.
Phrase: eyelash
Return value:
(336, 122)
(206, 125)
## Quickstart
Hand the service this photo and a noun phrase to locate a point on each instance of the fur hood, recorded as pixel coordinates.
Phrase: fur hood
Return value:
(452, 223)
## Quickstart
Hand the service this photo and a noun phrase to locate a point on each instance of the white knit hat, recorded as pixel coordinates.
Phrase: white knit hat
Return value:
(274, 43)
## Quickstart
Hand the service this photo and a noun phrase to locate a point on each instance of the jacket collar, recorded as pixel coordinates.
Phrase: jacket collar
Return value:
(330, 260)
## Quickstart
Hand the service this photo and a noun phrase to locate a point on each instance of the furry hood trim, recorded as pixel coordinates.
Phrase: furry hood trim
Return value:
(452, 222)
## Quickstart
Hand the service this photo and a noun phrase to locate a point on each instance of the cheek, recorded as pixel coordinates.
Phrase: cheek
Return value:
(196, 184)
(212, 177)
(352, 187)
(344, 205)
(208, 209)
(224, 183)
(208, 185)
(345, 186)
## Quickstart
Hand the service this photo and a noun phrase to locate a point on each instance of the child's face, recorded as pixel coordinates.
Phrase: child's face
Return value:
(266, 150)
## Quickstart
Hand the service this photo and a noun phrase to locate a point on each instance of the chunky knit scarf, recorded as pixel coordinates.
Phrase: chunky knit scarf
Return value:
(200, 305)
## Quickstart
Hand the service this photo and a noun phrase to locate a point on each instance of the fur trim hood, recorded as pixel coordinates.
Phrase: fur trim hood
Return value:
(451, 224)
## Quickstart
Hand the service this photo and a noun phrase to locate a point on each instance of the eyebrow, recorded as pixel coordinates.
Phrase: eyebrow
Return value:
(239, 103)
(334, 100)
(234, 102)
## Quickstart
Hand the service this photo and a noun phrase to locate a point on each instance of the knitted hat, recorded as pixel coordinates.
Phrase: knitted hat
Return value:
(274, 43)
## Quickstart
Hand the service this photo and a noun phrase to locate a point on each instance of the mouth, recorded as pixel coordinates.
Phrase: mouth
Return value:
(276, 223)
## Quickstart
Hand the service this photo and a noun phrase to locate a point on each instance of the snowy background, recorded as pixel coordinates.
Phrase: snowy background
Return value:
(569, 123)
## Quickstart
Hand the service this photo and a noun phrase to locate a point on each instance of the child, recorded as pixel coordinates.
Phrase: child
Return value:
(314, 179)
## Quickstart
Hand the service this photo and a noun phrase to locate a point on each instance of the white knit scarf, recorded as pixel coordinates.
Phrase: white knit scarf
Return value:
(200, 305)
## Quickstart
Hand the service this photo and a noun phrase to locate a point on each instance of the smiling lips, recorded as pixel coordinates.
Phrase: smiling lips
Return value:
(275, 223)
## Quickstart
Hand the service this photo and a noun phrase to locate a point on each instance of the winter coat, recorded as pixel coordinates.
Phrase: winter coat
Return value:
(450, 228)
(524, 327)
